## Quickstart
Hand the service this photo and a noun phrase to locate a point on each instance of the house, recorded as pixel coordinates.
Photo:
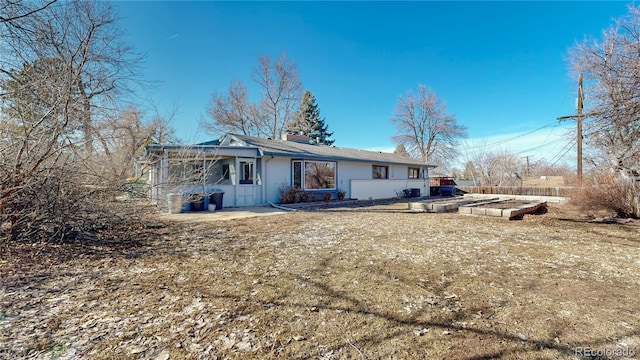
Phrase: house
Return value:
(253, 171)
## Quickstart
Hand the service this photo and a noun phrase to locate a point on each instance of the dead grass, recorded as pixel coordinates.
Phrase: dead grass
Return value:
(362, 283)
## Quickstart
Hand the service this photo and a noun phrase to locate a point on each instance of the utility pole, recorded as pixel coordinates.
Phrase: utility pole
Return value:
(526, 172)
(578, 117)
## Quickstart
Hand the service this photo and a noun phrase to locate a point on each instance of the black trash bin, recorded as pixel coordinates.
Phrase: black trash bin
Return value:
(197, 202)
(415, 192)
(215, 198)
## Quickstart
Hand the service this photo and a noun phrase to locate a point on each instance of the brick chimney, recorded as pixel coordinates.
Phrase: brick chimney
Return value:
(303, 139)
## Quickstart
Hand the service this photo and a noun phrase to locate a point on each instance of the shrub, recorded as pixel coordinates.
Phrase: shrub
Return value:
(292, 195)
(608, 192)
(289, 195)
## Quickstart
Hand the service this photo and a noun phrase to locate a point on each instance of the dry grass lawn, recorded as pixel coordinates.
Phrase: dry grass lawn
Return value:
(375, 282)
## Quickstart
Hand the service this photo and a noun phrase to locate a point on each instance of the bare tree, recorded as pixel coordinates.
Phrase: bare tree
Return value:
(85, 37)
(425, 128)
(543, 168)
(62, 69)
(232, 112)
(498, 168)
(611, 68)
(121, 139)
(281, 92)
(612, 86)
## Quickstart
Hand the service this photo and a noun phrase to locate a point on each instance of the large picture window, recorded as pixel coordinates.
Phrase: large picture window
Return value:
(319, 175)
(314, 175)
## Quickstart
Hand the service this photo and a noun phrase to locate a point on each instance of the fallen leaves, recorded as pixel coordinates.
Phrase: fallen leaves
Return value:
(353, 282)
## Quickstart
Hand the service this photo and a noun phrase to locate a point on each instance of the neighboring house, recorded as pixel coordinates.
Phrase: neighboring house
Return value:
(253, 171)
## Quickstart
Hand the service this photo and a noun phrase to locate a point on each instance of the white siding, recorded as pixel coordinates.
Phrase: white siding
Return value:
(277, 174)
(349, 170)
(384, 189)
(354, 178)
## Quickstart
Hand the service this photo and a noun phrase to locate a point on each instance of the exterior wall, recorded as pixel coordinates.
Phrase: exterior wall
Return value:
(277, 173)
(348, 170)
(384, 189)
(355, 178)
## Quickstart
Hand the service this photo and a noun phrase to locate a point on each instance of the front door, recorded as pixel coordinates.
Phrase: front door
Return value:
(246, 185)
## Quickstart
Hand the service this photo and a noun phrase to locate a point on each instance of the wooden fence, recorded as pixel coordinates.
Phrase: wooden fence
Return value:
(517, 190)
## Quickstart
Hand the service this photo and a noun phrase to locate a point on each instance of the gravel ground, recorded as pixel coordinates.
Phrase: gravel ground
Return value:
(353, 282)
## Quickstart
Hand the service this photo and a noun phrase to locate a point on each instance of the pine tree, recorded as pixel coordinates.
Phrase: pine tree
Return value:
(307, 121)
(469, 171)
(402, 151)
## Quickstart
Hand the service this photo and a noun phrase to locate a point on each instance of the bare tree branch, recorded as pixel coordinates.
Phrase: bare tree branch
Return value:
(9, 18)
(281, 91)
(425, 128)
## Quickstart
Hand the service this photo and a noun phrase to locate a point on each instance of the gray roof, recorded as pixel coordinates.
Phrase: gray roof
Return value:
(307, 151)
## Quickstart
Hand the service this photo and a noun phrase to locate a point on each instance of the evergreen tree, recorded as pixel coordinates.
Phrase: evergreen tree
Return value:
(401, 150)
(469, 171)
(307, 121)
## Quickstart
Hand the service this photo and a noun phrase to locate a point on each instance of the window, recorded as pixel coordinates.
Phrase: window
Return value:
(314, 175)
(246, 172)
(226, 172)
(414, 173)
(297, 174)
(185, 172)
(319, 175)
(380, 171)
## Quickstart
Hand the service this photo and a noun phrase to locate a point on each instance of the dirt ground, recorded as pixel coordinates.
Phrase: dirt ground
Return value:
(374, 282)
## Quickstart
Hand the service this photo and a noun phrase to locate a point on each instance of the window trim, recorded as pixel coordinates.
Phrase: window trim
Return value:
(244, 166)
(409, 171)
(293, 174)
(303, 174)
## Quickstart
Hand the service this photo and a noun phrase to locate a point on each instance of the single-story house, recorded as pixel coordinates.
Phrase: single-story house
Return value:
(254, 171)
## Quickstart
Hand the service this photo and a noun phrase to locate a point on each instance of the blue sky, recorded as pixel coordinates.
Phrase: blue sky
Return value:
(501, 67)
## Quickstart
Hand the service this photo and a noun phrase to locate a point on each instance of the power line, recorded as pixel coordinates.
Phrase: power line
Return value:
(543, 144)
(556, 158)
(537, 148)
(507, 140)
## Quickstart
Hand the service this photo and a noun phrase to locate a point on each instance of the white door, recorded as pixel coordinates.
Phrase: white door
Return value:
(246, 187)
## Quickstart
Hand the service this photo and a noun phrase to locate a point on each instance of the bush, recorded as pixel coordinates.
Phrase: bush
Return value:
(289, 195)
(51, 207)
(292, 195)
(608, 192)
